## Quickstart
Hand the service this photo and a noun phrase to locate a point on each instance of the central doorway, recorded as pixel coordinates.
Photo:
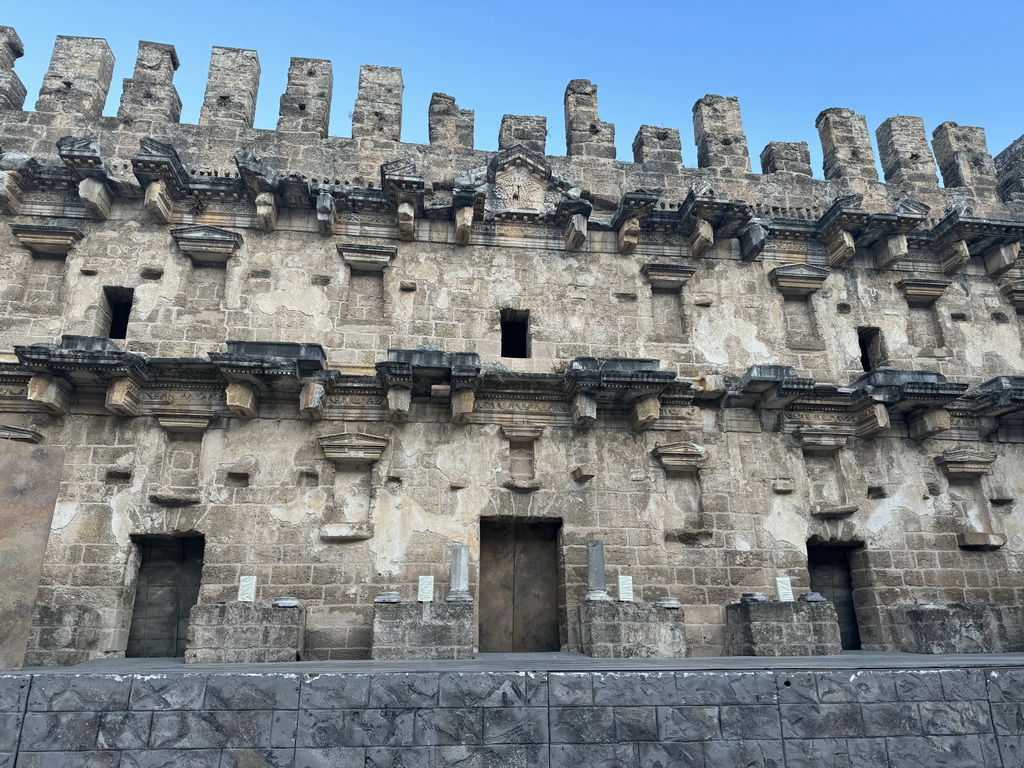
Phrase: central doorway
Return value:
(518, 586)
(829, 569)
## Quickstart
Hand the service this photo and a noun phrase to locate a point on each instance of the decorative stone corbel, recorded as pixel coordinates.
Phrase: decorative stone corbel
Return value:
(11, 192)
(399, 402)
(242, 399)
(96, 197)
(51, 394)
(158, 202)
(312, 400)
(326, 209)
(840, 246)
(954, 256)
(702, 237)
(406, 220)
(463, 401)
(644, 412)
(628, 219)
(584, 409)
(870, 418)
(575, 232)
(1001, 258)
(891, 250)
(463, 224)
(124, 397)
(929, 422)
(266, 211)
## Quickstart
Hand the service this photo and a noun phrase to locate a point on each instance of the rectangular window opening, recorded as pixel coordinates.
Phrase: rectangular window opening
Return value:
(515, 333)
(120, 302)
(871, 350)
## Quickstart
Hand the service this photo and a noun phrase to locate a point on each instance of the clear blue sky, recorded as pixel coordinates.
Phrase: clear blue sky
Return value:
(651, 61)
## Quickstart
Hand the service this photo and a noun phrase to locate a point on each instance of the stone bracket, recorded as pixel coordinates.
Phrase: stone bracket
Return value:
(242, 400)
(51, 394)
(124, 397)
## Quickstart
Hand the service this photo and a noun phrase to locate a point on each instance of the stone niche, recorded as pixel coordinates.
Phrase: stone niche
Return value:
(426, 630)
(958, 628)
(245, 632)
(625, 630)
(782, 629)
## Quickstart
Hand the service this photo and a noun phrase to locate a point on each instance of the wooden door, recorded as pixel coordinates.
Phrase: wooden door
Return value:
(518, 586)
(830, 575)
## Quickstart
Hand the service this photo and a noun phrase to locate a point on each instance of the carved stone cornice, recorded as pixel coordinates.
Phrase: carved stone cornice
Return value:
(368, 258)
(680, 458)
(353, 449)
(45, 240)
(667, 276)
(922, 291)
(966, 462)
(207, 245)
(798, 279)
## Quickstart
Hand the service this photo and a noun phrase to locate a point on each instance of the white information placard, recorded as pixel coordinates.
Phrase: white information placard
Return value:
(426, 590)
(626, 589)
(784, 588)
(247, 589)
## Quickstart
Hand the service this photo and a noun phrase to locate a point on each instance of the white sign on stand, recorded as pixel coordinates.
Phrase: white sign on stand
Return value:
(426, 590)
(784, 588)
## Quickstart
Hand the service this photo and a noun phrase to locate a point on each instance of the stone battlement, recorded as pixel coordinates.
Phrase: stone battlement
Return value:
(76, 86)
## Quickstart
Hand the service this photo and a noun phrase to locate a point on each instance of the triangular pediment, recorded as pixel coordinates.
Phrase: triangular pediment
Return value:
(353, 448)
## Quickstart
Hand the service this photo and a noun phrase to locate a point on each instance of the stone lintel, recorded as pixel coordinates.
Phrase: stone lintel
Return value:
(922, 291)
(966, 462)
(182, 420)
(798, 279)
(367, 258)
(681, 458)
(353, 449)
(207, 245)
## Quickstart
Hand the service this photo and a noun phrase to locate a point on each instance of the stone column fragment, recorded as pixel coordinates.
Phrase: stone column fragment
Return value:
(718, 131)
(79, 77)
(596, 586)
(150, 93)
(459, 592)
(12, 90)
(531, 132)
(585, 134)
(378, 110)
(906, 156)
(306, 101)
(448, 125)
(786, 157)
(657, 145)
(962, 153)
(231, 88)
(846, 145)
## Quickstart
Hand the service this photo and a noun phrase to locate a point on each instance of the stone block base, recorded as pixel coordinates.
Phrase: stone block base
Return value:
(614, 630)
(423, 631)
(782, 629)
(958, 628)
(244, 632)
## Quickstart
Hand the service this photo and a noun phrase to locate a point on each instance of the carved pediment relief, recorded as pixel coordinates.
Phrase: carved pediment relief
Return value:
(681, 458)
(518, 185)
(966, 462)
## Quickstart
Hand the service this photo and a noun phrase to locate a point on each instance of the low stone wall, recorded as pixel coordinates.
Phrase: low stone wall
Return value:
(244, 632)
(954, 718)
(958, 628)
(782, 629)
(423, 631)
(624, 630)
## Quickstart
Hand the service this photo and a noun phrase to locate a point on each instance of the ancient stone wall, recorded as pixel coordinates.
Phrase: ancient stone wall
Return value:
(695, 389)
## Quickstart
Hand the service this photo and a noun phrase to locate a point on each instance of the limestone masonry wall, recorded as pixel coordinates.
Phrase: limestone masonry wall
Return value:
(332, 357)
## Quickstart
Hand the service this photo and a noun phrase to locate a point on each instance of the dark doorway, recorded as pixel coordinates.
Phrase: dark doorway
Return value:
(872, 351)
(120, 302)
(830, 575)
(518, 586)
(169, 575)
(515, 333)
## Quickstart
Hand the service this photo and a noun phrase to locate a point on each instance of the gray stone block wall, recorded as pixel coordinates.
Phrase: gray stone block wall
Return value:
(423, 631)
(958, 628)
(782, 629)
(940, 718)
(624, 630)
(245, 632)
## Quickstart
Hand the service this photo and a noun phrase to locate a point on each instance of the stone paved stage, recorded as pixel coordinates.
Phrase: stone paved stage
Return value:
(858, 709)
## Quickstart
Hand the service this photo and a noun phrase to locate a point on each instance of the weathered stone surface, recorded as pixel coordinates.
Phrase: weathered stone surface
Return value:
(782, 629)
(30, 486)
(422, 630)
(631, 630)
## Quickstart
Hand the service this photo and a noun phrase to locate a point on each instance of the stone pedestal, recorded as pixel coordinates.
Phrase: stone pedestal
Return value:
(614, 630)
(782, 629)
(245, 632)
(28, 491)
(423, 631)
(958, 628)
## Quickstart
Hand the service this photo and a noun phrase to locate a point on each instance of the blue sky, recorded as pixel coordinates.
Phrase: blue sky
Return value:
(651, 61)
